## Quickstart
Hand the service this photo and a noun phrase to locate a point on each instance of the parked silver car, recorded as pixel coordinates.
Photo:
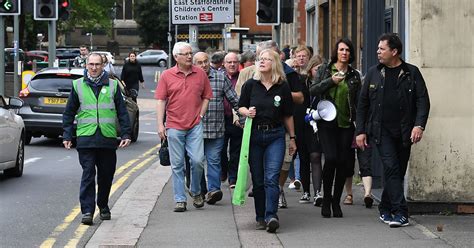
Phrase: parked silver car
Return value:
(12, 135)
(151, 56)
(45, 99)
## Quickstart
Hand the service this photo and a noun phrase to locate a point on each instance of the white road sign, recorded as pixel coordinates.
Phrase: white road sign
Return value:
(202, 11)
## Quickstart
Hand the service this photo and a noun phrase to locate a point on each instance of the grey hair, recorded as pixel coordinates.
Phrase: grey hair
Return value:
(179, 46)
(94, 54)
(247, 56)
(268, 44)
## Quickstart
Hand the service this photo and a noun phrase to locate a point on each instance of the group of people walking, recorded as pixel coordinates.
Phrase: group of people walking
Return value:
(206, 101)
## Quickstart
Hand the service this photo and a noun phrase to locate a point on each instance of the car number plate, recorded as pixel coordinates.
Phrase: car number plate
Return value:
(55, 100)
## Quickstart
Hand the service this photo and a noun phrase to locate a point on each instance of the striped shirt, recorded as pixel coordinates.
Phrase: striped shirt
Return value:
(213, 121)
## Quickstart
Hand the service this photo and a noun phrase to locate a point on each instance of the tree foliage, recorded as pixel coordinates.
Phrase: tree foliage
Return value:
(152, 18)
(90, 15)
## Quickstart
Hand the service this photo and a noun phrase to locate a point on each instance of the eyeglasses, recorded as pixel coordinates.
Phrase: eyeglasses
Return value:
(186, 54)
(265, 59)
(94, 64)
(232, 62)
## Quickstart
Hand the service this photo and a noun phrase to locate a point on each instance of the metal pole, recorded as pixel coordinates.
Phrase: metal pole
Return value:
(90, 38)
(16, 40)
(193, 37)
(2, 56)
(169, 34)
(51, 43)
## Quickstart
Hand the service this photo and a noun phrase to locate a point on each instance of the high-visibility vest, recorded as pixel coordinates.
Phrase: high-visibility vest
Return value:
(96, 112)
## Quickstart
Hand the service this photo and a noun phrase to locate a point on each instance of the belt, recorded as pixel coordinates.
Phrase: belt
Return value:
(266, 127)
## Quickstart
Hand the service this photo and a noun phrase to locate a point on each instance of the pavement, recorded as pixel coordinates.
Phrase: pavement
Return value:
(144, 217)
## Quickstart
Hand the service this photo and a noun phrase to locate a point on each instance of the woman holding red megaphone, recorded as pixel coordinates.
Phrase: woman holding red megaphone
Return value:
(339, 83)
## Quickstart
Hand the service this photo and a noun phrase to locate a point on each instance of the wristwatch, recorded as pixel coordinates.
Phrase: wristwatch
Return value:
(292, 137)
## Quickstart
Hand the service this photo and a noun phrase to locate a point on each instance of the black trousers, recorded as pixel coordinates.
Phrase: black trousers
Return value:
(232, 141)
(105, 160)
(339, 158)
(394, 157)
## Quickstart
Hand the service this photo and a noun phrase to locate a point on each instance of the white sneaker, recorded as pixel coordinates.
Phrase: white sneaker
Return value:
(297, 184)
(282, 200)
(292, 185)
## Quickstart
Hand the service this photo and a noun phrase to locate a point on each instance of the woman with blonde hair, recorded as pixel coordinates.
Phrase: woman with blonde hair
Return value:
(267, 99)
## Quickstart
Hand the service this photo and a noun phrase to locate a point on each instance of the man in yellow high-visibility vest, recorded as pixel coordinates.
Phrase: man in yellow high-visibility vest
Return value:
(95, 103)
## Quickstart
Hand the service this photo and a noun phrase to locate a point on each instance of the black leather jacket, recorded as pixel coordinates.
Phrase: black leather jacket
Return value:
(414, 105)
(322, 83)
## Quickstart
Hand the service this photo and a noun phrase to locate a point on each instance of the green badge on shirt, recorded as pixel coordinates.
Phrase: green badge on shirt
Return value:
(277, 100)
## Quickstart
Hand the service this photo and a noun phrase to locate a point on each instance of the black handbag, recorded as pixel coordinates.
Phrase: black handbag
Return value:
(164, 153)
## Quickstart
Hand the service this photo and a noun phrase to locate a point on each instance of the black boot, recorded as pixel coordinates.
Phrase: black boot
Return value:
(326, 208)
(336, 208)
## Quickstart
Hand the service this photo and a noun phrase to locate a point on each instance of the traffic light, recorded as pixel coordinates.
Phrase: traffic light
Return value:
(286, 12)
(268, 12)
(10, 7)
(64, 9)
(45, 10)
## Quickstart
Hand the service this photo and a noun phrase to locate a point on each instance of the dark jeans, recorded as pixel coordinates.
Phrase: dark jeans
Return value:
(267, 149)
(105, 161)
(339, 158)
(394, 157)
(233, 141)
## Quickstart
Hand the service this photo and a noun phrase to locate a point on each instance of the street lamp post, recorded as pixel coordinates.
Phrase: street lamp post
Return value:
(90, 39)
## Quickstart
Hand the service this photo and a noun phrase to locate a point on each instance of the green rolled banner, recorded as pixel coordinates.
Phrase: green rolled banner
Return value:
(240, 191)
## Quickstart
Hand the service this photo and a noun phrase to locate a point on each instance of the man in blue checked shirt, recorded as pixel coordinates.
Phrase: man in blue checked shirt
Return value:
(214, 125)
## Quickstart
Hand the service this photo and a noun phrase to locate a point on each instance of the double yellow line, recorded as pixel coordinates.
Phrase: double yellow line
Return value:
(79, 232)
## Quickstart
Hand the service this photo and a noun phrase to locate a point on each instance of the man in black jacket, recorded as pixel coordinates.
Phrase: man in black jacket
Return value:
(95, 103)
(392, 111)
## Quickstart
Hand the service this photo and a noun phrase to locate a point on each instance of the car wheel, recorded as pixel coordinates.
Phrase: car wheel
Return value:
(17, 171)
(135, 130)
(28, 138)
(162, 63)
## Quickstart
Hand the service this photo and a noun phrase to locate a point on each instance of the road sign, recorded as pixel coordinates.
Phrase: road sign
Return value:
(10, 7)
(202, 11)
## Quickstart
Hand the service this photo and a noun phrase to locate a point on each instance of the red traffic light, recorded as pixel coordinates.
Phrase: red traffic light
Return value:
(65, 4)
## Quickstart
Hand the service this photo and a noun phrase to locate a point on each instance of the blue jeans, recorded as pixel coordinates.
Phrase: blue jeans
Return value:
(190, 142)
(294, 172)
(212, 150)
(267, 150)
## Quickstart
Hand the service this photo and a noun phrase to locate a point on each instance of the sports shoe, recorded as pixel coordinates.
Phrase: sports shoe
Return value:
(104, 213)
(261, 225)
(272, 225)
(399, 221)
(198, 201)
(282, 200)
(180, 207)
(87, 219)
(318, 199)
(292, 185)
(213, 197)
(232, 186)
(297, 184)
(386, 218)
(305, 198)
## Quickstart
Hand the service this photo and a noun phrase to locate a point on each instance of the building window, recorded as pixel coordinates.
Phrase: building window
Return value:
(326, 37)
(128, 9)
